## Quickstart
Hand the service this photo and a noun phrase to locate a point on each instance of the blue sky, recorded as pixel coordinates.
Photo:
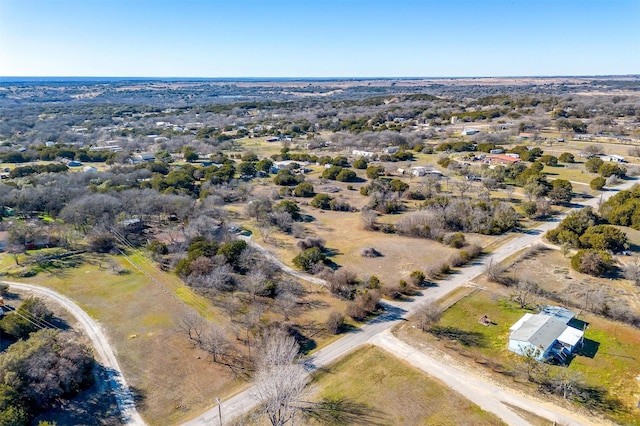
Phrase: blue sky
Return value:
(318, 38)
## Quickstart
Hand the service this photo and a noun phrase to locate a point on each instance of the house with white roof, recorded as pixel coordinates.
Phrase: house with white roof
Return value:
(548, 335)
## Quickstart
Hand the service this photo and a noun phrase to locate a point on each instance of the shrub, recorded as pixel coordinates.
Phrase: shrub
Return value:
(592, 262)
(361, 163)
(566, 157)
(455, 240)
(598, 183)
(335, 322)
(370, 252)
(304, 189)
(417, 277)
(309, 258)
(331, 173)
(346, 175)
(321, 201)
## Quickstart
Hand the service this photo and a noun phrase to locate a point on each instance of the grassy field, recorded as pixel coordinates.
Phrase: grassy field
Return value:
(172, 380)
(614, 365)
(378, 389)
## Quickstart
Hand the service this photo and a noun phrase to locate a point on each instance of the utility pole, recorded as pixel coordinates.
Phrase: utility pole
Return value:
(219, 410)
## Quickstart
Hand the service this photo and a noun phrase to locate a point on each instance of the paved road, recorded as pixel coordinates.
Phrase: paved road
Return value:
(104, 354)
(398, 311)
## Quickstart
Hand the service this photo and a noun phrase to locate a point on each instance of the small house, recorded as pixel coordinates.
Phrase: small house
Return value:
(501, 159)
(613, 158)
(361, 153)
(468, 131)
(548, 335)
(391, 149)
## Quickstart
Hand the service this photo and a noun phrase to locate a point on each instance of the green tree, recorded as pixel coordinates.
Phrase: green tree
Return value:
(247, 169)
(549, 160)
(232, 251)
(290, 207)
(190, 155)
(286, 178)
(331, 173)
(597, 183)
(264, 165)
(610, 169)
(604, 237)
(26, 319)
(321, 201)
(307, 259)
(360, 163)
(566, 157)
(304, 189)
(561, 190)
(592, 262)
(374, 172)
(397, 185)
(346, 175)
(593, 164)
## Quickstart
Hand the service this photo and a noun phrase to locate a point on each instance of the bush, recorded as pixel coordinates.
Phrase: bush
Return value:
(593, 164)
(598, 183)
(346, 175)
(566, 157)
(310, 242)
(592, 262)
(417, 278)
(455, 240)
(304, 189)
(331, 173)
(321, 201)
(309, 258)
(335, 322)
(360, 163)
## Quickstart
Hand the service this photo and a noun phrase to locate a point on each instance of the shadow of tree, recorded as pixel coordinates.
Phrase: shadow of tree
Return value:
(342, 411)
(466, 338)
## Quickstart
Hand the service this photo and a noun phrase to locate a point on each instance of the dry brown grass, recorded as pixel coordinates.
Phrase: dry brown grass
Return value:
(389, 391)
(173, 380)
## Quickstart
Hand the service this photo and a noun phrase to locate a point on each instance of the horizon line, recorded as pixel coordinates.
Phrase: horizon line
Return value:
(292, 78)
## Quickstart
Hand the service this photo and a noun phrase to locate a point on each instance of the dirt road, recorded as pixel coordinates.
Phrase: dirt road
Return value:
(104, 355)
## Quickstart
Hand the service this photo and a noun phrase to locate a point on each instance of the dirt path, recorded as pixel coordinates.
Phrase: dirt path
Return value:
(104, 355)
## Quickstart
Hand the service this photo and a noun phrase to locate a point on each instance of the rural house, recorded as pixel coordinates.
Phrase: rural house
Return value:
(549, 335)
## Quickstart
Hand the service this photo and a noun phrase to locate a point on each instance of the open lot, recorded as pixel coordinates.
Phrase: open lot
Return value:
(379, 389)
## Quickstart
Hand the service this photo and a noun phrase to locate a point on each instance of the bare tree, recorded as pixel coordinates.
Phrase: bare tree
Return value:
(463, 187)
(191, 325)
(280, 380)
(632, 272)
(215, 342)
(368, 219)
(523, 292)
(428, 315)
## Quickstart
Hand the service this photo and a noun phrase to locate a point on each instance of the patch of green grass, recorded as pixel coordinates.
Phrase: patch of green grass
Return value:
(614, 364)
(370, 386)
(464, 316)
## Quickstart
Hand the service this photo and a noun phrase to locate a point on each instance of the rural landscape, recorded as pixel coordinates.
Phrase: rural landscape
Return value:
(387, 251)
